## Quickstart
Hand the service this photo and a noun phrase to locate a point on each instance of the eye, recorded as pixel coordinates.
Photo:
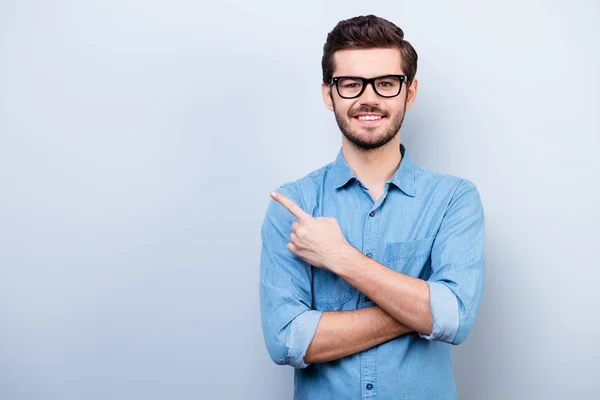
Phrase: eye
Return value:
(389, 83)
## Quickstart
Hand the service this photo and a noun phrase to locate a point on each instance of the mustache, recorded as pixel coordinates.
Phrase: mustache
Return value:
(368, 109)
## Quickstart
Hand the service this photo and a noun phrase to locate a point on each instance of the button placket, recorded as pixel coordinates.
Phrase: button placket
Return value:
(368, 240)
(368, 359)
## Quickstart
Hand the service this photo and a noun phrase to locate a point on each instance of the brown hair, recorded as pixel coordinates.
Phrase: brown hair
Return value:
(365, 32)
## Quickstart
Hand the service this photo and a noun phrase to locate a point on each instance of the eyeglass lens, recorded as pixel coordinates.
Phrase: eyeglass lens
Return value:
(386, 86)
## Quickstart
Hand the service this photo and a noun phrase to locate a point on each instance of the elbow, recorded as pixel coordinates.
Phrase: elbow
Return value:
(453, 313)
(468, 310)
(464, 328)
(276, 350)
(444, 321)
(467, 317)
(458, 342)
(288, 341)
(459, 338)
(281, 354)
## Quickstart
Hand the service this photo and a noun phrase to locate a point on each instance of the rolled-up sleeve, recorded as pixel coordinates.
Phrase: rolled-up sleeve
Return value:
(285, 290)
(457, 265)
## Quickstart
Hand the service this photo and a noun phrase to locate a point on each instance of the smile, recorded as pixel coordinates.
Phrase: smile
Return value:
(369, 119)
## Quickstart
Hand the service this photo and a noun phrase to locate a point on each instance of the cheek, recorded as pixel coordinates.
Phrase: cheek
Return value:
(396, 107)
(342, 107)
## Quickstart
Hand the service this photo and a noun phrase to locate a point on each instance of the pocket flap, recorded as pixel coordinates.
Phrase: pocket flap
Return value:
(406, 250)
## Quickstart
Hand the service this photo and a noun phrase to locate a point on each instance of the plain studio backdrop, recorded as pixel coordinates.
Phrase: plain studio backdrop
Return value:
(139, 141)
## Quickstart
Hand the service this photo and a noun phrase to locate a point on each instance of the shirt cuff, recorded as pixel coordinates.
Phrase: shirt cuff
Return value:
(302, 331)
(444, 312)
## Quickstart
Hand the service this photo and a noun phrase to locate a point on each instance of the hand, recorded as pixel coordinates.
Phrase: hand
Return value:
(318, 241)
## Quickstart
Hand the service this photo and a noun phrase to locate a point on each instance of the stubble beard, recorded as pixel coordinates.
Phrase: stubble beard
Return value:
(369, 143)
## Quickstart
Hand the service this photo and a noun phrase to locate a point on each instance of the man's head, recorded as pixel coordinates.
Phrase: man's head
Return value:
(368, 47)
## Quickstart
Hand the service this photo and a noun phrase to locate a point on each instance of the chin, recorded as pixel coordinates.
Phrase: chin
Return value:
(368, 143)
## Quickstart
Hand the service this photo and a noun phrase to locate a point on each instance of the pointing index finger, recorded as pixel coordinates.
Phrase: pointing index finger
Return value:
(290, 206)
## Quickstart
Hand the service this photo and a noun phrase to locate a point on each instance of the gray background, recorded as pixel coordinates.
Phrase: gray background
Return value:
(139, 141)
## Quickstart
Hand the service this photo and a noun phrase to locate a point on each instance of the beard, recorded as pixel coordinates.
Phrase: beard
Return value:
(367, 140)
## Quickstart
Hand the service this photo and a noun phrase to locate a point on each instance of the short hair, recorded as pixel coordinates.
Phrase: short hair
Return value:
(366, 32)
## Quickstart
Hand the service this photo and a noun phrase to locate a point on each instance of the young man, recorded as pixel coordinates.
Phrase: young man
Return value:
(371, 266)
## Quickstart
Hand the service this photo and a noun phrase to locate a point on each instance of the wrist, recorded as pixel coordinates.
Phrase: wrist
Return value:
(343, 259)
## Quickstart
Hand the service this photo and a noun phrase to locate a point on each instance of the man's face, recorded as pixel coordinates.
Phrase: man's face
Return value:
(369, 121)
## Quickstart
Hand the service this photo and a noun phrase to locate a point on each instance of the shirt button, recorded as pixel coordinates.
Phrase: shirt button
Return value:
(367, 299)
(369, 255)
(369, 386)
(372, 213)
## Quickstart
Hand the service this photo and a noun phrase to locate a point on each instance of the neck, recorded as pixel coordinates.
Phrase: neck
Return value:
(373, 167)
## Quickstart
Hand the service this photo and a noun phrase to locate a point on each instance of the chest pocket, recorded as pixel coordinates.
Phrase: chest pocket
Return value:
(330, 292)
(411, 257)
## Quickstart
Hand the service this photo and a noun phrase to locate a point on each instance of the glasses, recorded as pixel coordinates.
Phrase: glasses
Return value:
(351, 87)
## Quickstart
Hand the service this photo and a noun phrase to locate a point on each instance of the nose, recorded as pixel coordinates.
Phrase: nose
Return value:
(369, 96)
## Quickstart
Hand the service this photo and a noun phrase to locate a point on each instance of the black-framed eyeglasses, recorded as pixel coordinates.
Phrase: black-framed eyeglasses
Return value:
(351, 87)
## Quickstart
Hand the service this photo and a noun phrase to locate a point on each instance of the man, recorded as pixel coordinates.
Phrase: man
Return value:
(371, 266)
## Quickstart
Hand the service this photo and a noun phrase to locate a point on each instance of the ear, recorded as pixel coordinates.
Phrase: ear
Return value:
(412, 93)
(326, 93)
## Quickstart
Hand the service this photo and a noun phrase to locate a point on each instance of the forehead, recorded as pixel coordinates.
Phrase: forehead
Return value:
(367, 62)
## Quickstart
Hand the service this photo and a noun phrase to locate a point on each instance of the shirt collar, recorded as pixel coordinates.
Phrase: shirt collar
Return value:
(404, 177)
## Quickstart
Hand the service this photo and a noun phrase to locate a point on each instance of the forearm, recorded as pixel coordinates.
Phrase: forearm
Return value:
(401, 296)
(342, 333)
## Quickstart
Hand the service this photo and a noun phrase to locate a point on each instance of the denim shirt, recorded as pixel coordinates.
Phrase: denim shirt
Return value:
(426, 225)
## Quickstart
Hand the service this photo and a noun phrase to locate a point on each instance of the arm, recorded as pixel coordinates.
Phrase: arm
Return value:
(285, 291)
(342, 333)
(289, 323)
(445, 306)
(405, 298)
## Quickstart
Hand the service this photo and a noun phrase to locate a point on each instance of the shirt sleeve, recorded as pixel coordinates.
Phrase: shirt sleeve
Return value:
(288, 321)
(457, 265)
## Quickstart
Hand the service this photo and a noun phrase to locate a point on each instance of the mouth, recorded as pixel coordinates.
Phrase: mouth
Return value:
(369, 119)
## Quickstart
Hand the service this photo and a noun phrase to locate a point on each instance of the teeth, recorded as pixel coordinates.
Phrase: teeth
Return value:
(369, 117)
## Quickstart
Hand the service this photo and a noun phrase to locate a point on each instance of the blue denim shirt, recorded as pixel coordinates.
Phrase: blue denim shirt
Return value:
(426, 225)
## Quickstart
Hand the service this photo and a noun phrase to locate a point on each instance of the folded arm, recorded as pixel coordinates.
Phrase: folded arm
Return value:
(342, 333)
(443, 307)
(294, 333)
